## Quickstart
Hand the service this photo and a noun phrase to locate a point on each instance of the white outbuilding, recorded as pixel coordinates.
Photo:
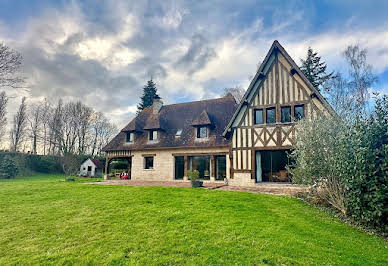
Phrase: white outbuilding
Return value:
(91, 168)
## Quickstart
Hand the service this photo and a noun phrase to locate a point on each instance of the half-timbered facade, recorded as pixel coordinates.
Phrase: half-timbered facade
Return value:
(263, 127)
(243, 144)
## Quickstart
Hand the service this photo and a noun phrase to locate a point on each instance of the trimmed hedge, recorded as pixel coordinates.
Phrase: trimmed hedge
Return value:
(8, 168)
(30, 163)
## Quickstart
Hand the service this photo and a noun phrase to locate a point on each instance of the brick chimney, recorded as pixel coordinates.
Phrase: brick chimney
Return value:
(157, 105)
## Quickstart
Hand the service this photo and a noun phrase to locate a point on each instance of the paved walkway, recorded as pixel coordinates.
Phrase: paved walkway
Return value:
(270, 188)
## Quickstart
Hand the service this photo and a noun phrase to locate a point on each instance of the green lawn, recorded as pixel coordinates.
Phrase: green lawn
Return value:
(46, 221)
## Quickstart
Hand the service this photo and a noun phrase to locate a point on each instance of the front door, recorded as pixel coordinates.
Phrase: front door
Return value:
(258, 167)
(89, 171)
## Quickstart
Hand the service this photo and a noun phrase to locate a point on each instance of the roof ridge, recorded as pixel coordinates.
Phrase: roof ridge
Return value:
(205, 100)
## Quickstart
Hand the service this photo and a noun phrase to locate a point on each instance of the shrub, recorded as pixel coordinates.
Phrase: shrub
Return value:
(8, 168)
(367, 190)
(346, 163)
(70, 165)
(193, 175)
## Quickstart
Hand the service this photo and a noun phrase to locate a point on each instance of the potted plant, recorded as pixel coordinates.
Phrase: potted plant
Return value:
(206, 174)
(194, 178)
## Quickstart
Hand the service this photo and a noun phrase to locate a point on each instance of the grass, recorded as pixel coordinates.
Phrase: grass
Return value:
(46, 221)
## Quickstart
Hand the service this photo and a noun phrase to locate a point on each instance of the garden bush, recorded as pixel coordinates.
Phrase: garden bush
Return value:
(346, 163)
(8, 168)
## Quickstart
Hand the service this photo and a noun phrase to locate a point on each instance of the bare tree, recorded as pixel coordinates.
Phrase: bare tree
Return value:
(34, 118)
(107, 133)
(360, 72)
(55, 129)
(70, 165)
(3, 114)
(10, 64)
(45, 116)
(18, 131)
(97, 128)
(84, 115)
(237, 92)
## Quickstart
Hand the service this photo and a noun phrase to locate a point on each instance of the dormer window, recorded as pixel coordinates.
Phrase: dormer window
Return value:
(202, 132)
(153, 135)
(130, 137)
(178, 133)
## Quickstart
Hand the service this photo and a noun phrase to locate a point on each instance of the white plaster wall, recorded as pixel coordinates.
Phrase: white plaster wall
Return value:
(85, 165)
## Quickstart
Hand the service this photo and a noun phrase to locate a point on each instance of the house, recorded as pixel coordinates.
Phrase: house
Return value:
(91, 168)
(242, 144)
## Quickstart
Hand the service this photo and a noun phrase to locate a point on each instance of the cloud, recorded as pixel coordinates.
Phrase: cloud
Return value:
(104, 54)
(197, 55)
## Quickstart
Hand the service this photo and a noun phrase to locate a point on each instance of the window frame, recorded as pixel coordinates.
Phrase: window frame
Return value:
(178, 133)
(262, 116)
(151, 135)
(281, 114)
(266, 114)
(176, 172)
(304, 112)
(198, 132)
(145, 163)
(128, 137)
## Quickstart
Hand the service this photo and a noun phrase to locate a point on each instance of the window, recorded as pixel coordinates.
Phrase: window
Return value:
(149, 162)
(179, 167)
(202, 164)
(270, 115)
(286, 114)
(130, 137)
(201, 132)
(259, 116)
(220, 167)
(178, 133)
(153, 135)
(298, 112)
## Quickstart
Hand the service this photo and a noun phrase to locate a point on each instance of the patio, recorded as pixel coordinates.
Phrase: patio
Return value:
(267, 187)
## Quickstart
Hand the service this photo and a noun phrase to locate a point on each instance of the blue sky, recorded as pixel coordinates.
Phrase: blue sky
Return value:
(103, 52)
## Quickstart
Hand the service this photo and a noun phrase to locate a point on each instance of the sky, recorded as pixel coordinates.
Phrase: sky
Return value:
(103, 52)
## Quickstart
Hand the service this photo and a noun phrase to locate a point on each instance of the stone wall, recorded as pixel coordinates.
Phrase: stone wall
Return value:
(241, 179)
(164, 162)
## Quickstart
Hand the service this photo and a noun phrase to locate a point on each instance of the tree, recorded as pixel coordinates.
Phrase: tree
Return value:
(349, 94)
(3, 114)
(34, 118)
(70, 165)
(315, 70)
(18, 131)
(45, 119)
(237, 92)
(10, 63)
(149, 95)
(360, 72)
(98, 124)
(84, 119)
(56, 132)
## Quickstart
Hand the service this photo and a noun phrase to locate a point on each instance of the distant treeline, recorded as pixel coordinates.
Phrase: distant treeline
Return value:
(28, 164)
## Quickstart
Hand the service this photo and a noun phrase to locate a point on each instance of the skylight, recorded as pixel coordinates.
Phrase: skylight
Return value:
(178, 133)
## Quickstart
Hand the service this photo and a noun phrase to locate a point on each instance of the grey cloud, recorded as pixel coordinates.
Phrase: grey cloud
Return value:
(198, 54)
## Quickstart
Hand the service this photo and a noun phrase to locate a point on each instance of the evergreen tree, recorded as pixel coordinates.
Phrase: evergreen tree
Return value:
(149, 94)
(315, 70)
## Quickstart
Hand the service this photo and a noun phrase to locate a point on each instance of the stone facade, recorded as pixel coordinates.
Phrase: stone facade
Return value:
(164, 168)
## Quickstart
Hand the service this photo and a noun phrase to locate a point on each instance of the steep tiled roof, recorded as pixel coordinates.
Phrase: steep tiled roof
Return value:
(174, 117)
(202, 119)
(153, 122)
